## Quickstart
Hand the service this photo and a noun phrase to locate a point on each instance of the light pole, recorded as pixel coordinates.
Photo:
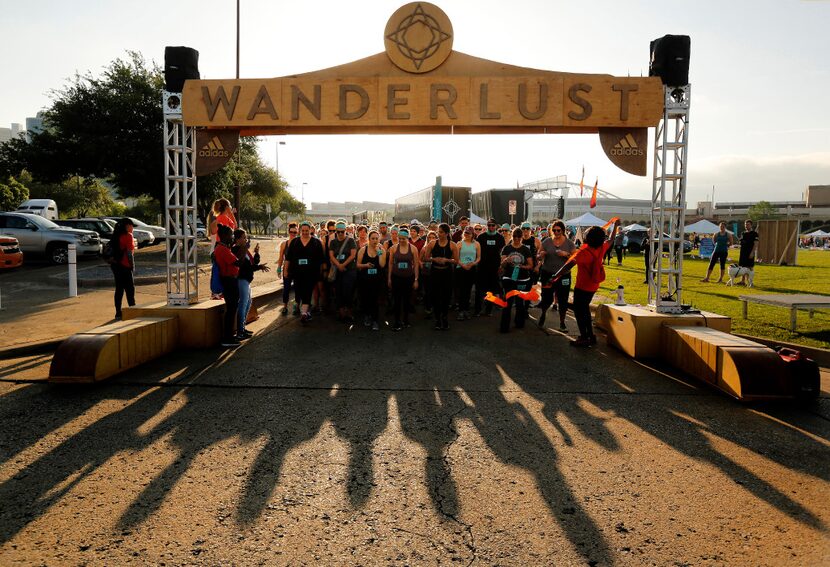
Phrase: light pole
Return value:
(302, 194)
(279, 143)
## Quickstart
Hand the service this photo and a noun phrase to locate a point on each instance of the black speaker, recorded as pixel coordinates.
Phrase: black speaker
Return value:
(670, 59)
(180, 64)
(560, 208)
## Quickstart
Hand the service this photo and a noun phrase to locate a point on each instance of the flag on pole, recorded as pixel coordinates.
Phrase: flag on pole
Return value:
(582, 181)
(594, 194)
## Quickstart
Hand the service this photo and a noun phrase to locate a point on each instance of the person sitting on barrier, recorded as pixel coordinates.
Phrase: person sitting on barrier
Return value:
(590, 274)
(228, 265)
(248, 264)
(220, 213)
(723, 240)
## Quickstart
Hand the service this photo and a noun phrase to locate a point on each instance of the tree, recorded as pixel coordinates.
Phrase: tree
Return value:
(12, 193)
(75, 196)
(762, 210)
(108, 127)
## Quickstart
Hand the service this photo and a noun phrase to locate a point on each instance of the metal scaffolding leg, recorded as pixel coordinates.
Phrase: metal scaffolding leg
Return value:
(668, 203)
(180, 204)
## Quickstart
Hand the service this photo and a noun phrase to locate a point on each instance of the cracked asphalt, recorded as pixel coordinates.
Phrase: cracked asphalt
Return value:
(332, 445)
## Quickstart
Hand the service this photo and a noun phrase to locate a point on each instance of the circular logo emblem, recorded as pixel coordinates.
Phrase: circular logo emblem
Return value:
(418, 37)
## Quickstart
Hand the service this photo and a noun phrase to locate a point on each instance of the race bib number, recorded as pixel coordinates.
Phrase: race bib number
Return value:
(491, 243)
(566, 281)
(341, 257)
(303, 262)
(372, 271)
(403, 265)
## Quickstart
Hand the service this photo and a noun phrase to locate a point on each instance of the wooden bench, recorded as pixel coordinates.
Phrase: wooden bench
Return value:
(102, 352)
(746, 370)
(791, 301)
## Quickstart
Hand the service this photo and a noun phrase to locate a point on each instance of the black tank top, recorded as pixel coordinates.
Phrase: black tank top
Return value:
(374, 269)
(439, 251)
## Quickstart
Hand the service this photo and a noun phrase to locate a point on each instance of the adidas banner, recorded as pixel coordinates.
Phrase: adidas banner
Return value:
(214, 148)
(627, 148)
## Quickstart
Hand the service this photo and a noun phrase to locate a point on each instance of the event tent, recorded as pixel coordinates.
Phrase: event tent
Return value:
(819, 233)
(634, 226)
(474, 218)
(702, 227)
(586, 220)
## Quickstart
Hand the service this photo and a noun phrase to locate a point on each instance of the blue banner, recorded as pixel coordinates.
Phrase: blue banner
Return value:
(436, 200)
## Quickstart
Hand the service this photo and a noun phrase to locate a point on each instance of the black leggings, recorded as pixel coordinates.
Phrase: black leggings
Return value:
(286, 289)
(123, 284)
(487, 279)
(582, 312)
(369, 290)
(515, 301)
(441, 281)
(304, 287)
(559, 289)
(230, 291)
(401, 297)
(718, 256)
(464, 280)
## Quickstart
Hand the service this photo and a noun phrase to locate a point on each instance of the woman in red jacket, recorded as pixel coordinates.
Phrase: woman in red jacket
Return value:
(228, 265)
(591, 273)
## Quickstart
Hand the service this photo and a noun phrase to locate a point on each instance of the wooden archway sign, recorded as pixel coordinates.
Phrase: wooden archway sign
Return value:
(419, 85)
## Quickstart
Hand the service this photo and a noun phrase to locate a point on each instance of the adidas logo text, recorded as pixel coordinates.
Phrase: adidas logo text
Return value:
(213, 148)
(626, 147)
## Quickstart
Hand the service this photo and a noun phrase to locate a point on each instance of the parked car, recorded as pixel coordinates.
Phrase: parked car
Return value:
(41, 236)
(142, 237)
(158, 232)
(10, 253)
(637, 241)
(47, 208)
(201, 231)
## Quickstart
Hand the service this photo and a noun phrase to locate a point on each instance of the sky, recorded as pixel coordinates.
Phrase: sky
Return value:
(760, 76)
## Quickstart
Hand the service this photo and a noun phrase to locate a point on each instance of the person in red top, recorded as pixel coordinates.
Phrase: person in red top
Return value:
(228, 266)
(590, 274)
(221, 213)
(123, 263)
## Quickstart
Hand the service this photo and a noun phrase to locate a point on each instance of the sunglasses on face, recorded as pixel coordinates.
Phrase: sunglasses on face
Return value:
(477, 230)
(340, 232)
(557, 230)
(292, 232)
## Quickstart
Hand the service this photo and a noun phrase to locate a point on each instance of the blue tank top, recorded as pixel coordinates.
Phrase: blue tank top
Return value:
(467, 255)
(721, 242)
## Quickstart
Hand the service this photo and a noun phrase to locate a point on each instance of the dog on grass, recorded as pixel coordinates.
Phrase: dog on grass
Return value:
(736, 271)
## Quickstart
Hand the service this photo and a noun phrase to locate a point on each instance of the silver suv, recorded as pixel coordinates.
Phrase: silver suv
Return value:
(38, 235)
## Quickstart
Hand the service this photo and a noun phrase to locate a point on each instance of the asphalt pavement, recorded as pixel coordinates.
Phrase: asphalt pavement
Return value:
(334, 445)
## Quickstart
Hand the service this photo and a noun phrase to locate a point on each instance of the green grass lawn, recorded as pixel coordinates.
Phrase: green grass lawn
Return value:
(811, 275)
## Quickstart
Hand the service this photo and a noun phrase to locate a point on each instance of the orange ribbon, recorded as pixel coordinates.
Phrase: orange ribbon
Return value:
(531, 295)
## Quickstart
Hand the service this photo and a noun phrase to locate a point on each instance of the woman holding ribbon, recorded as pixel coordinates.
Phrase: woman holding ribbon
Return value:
(516, 264)
(555, 252)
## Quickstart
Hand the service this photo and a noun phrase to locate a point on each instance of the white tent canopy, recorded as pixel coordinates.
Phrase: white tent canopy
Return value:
(819, 233)
(586, 220)
(702, 227)
(634, 226)
(474, 218)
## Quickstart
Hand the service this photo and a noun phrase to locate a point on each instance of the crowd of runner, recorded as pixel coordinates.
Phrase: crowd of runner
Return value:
(473, 268)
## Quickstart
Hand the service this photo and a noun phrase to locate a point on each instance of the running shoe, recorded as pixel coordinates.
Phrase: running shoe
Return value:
(375, 326)
(230, 343)
(248, 333)
(397, 327)
(563, 327)
(581, 342)
(437, 324)
(242, 337)
(460, 316)
(367, 321)
(305, 318)
(284, 311)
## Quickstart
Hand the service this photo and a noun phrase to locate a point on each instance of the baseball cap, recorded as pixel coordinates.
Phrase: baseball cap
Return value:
(526, 225)
(341, 225)
(491, 221)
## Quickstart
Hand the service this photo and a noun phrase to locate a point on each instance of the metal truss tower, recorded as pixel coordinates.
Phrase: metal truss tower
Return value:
(180, 204)
(668, 203)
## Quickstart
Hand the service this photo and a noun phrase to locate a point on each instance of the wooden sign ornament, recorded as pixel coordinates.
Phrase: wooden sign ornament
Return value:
(419, 85)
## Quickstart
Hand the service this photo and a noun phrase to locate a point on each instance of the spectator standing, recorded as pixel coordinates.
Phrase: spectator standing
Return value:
(122, 263)
(248, 264)
(228, 265)
(749, 245)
